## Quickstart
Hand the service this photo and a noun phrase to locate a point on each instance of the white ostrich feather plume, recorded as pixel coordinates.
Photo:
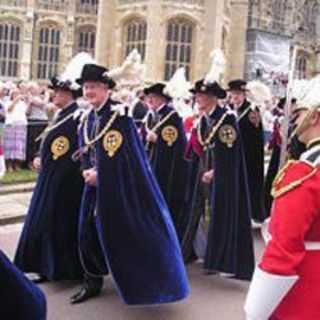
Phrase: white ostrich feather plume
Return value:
(258, 94)
(131, 72)
(307, 92)
(74, 68)
(178, 86)
(218, 66)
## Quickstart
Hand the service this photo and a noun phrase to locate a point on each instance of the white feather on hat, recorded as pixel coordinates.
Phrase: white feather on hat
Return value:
(74, 68)
(258, 94)
(178, 87)
(307, 93)
(300, 88)
(218, 66)
(312, 98)
(131, 72)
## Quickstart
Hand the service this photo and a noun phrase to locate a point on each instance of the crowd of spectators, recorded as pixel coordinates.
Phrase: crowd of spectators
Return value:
(26, 109)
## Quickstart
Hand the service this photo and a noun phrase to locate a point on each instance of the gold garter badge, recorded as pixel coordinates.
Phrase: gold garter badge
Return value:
(228, 135)
(170, 135)
(112, 141)
(59, 147)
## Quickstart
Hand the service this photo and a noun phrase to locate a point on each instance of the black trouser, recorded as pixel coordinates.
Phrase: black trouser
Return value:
(34, 129)
(93, 282)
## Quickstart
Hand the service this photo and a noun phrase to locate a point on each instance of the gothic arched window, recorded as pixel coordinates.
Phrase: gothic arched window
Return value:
(87, 6)
(312, 16)
(178, 47)
(278, 13)
(86, 40)
(301, 67)
(48, 52)
(135, 36)
(10, 35)
(53, 4)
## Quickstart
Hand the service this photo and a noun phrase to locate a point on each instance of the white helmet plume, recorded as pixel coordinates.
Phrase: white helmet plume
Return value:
(307, 93)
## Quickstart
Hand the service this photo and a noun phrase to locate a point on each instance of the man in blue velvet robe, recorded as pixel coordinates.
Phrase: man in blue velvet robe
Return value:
(48, 244)
(125, 225)
(251, 130)
(165, 142)
(20, 298)
(218, 229)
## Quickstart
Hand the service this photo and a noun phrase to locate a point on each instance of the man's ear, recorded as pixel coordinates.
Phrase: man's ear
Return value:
(315, 118)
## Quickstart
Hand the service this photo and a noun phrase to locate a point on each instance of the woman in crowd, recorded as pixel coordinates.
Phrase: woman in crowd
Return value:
(15, 130)
(37, 119)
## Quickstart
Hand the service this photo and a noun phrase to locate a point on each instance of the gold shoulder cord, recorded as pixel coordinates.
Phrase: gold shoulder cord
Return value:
(87, 141)
(161, 122)
(158, 125)
(52, 127)
(244, 113)
(276, 193)
(205, 143)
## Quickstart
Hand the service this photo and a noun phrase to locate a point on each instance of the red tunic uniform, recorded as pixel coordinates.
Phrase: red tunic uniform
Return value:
(294, 248)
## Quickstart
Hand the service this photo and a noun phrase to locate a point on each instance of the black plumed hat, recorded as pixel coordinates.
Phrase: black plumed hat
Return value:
(158, 89)
(213, 89)
(94, 72)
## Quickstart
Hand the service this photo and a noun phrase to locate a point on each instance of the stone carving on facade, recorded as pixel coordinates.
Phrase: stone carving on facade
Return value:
(8, 16)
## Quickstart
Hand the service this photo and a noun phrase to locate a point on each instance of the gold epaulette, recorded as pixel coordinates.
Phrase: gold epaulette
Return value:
(279, 189)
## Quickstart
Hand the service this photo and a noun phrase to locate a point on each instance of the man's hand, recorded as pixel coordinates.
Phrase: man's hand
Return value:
(207, 177)
(90, 177)
(36, 163)
(151, 137)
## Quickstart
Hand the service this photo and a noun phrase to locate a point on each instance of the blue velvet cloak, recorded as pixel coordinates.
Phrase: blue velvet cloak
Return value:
(229, 246)
(48, 243)
(253, 146)
(170, 167)
(133, 223)
(20, 298)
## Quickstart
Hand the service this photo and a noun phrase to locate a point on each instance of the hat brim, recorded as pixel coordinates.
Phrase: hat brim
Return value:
(147, 92)
(237, 89)
(219, 95)
(108, 81)
(60, 86)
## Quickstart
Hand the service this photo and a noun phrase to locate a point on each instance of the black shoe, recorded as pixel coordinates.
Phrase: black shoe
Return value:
(90, 289)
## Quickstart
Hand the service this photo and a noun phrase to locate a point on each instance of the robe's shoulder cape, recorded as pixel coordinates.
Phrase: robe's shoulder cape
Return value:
(253, 143)
(20, 298)
(48, 243)
(229, 246)
(139, 243)
(169, 165)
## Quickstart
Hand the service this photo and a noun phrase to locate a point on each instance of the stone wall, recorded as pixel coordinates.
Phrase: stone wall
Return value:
(32, 15)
